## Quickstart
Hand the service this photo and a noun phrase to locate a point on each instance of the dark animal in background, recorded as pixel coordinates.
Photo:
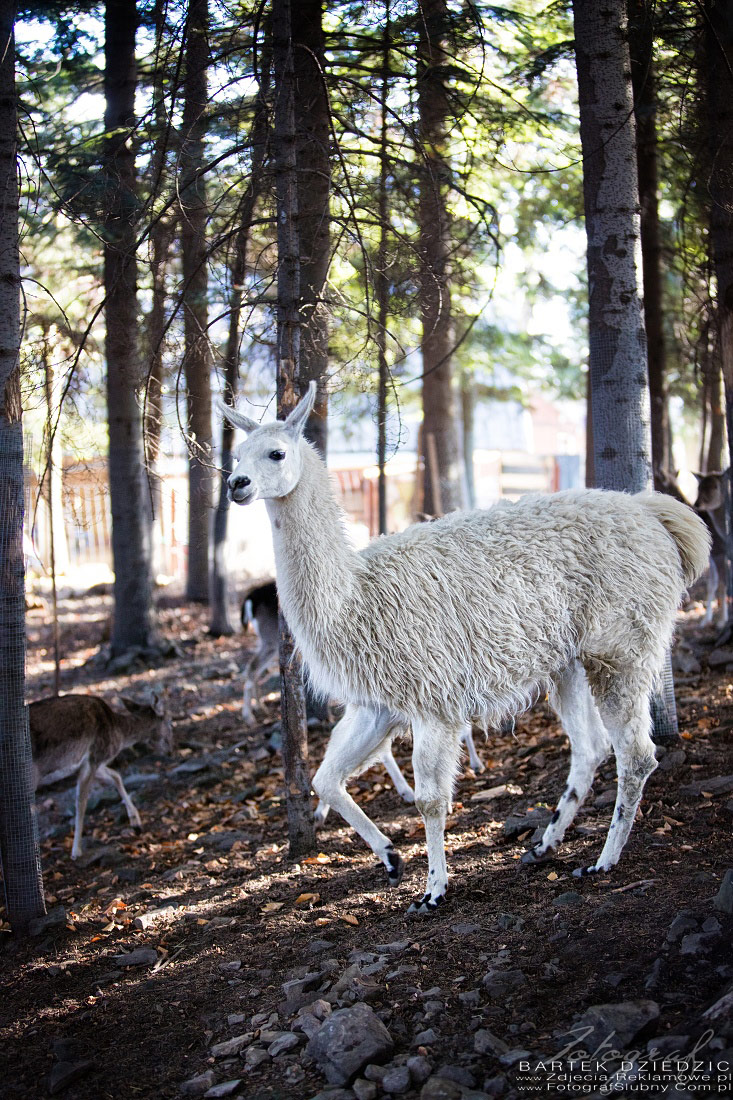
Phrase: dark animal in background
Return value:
(712, 493)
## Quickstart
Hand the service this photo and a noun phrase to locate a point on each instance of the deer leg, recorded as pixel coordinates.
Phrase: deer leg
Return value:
(713, 577)
(473, 757)
(83, 785)
(356, 741)
(109, 775)
(589, 747)
(435, 757)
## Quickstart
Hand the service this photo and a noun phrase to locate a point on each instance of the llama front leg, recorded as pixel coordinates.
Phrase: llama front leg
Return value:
(109, 775)
(589, 747)
(355, 742)
(435, 757)
(625, 712)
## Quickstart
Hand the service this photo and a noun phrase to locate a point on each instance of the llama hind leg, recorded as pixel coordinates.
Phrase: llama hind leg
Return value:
(473, 757)
(435, 762)
(589, 747)
(403, 788)
(625, 712)
(356, 740)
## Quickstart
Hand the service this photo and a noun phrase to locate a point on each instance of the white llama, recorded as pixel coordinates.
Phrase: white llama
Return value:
(471, 617)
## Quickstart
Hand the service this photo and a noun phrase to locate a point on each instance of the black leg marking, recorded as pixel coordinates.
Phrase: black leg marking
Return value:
(426, 904)
(555, 817)
(534, 855)
(396, 867)
(581, 872)
(572, 795)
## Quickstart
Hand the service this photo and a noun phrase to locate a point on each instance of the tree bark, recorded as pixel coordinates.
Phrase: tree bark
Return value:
(617, 343)
(719, 53)
(716, 404)
(468, 409)
(19, 847)
(218, 589)
(381, 278)
(301, 829)
(197, 356)
(312, 139)
(641, 41)
(439, 411)
(131, 549)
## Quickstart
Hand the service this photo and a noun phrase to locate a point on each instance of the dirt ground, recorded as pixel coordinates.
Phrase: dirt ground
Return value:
(239, 919)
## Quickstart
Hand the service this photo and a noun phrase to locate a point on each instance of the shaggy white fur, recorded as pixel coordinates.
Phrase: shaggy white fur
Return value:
(470, 618)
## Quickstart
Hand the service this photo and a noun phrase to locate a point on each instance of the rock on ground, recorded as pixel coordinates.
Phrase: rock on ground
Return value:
(347, 1041)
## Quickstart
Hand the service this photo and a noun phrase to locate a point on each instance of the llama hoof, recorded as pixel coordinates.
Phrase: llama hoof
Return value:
(534, 855)
(581, 872)
(319, 817)
(426, 904)
(396, 868)
(408, 795)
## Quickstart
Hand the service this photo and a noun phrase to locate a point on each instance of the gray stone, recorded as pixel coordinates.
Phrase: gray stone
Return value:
(485, 1042)
(231, 964)
(364, 1090)
(500, 983)
(67, 1050)
(230, 1047)
(394, 948)
(64, 1074)
(711, 924)
(256, 1056)
(141, 956)
(305, 984)
(440, 1088)
(698, 943)
(510, 922)
(517, 1054)
(288, 1041)
(53, 920)
(197, 1086)
(419, 1067)
(224, 1088)
(334, 1094)
(681, 924)
(433, 1008)
(315, 947)
(459, 1074)
(425, 1038)
(517, 824)
(719, 784)
(720, 1016)
(719, 658)
(375, 1072)
(349, 1040)
(617, 1023)
(397, 1081)
(570, 897)
(672, 760)
(465, 929)
(724, 898)
(470, 997)
(605, 798)
(496, 1086)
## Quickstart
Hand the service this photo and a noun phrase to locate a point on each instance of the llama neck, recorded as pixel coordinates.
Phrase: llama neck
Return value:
(315, 564)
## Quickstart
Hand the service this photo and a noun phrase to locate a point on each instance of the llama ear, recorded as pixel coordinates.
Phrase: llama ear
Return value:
(239, 420)
(296, 421)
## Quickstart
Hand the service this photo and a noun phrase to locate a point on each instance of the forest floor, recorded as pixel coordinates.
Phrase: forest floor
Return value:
(470, 996)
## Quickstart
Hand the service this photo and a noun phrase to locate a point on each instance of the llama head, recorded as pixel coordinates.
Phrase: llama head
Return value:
(270, 460)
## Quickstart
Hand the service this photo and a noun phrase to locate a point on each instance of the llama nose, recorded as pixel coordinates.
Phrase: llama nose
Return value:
(238, 482)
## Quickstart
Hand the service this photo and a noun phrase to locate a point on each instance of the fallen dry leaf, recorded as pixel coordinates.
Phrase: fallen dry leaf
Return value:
(272, 906)
(349, 918)
(307, 899)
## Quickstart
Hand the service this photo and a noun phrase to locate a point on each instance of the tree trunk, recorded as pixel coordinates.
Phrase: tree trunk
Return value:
(719, 50)
(435, 298)
(197, 356)
(382, 280)
(641, 41)
(312, 139)
(617, 344)
(218, 589)
(19, 849)
(127, 485)
(716, 404)
(301, 829)
(468, 409)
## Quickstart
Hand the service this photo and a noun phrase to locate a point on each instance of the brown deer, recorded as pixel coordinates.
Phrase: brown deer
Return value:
(81, 733)
(710, 504)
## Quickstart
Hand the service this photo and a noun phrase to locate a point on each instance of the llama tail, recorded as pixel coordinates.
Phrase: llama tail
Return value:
(689, 532)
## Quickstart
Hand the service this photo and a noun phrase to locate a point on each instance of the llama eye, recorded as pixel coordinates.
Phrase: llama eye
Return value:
(277, 456)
